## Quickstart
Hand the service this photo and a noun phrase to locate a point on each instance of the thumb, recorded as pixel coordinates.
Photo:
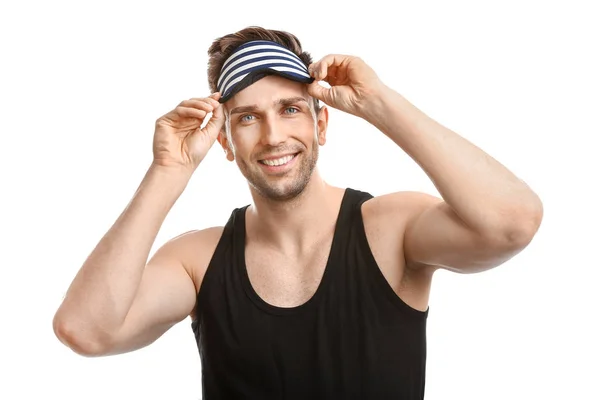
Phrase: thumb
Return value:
(216, 122)
(319, 92)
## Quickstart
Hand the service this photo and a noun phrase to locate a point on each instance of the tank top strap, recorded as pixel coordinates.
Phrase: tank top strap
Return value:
(238, 224)
(357, 198)
(224, 255)
(352, 214)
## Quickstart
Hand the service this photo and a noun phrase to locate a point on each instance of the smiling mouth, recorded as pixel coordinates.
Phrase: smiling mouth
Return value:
(277, 162)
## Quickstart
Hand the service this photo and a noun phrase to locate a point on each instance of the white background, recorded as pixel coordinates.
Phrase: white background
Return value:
(82, 83)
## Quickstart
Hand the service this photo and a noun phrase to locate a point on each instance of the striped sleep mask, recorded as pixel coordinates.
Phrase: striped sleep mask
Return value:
(255, 60)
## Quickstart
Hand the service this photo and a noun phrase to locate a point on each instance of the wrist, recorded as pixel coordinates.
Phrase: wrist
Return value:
(174, 173)
(384, 106)
(376, 104)
(172, 179)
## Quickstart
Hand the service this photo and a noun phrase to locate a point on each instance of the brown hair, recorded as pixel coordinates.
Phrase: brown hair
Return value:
(222, 48)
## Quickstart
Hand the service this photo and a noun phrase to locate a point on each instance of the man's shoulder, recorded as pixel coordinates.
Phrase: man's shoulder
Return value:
(397, 208)
(198, 234)
(195, 250)
(209, 236)
(195, 245)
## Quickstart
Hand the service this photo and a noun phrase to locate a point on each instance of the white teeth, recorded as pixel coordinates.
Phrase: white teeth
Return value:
(279, 161)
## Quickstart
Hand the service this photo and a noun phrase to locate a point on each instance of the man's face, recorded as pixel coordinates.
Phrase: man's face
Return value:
(274, 136)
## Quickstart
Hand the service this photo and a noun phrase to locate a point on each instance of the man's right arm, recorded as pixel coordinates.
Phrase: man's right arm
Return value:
(118, 302)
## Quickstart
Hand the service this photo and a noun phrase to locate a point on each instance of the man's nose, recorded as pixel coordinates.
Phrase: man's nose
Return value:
(273, 133)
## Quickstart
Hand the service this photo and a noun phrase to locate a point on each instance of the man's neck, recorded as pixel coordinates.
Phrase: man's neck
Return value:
(293, 226)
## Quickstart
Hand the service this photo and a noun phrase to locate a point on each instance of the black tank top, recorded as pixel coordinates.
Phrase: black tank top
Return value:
(354, 339)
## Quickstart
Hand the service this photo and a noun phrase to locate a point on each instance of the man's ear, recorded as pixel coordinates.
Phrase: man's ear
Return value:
(322, 123)
(222, 138)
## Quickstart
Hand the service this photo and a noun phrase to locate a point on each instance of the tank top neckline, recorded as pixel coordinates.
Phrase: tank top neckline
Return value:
(240, 250)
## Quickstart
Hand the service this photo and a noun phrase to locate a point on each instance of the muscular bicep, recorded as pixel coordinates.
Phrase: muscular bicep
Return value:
(166, 296)
(438, 238)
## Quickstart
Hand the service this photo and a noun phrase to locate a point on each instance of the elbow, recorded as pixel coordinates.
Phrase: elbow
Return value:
(74, 336)
(527, 224)
(518, 230)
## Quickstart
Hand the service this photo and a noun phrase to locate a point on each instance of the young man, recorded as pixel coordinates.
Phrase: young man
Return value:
(312, 291)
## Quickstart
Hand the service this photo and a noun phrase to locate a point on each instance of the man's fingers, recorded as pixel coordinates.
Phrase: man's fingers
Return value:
(198, 108)
(216, 122)
(207, 104)
(190, 112)
(322, 69)
(203, 104)
(332, 73)
(319, 92)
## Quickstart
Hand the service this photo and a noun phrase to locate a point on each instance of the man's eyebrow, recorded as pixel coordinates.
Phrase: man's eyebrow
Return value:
(290, 101)
(243, 109)
(283, 102)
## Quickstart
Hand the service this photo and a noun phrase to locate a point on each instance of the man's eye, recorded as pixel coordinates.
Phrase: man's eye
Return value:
(291, 110)
(246, 118)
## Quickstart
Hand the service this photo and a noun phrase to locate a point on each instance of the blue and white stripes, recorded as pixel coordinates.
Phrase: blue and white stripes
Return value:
(256, 59)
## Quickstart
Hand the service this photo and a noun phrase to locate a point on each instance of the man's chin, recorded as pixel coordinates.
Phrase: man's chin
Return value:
(282, 184)
(279, 191)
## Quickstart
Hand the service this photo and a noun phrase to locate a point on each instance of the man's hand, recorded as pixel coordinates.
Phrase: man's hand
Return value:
(179, 141)
(353, 83)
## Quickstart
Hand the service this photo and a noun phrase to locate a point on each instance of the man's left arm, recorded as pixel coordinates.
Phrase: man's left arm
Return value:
(486, 215)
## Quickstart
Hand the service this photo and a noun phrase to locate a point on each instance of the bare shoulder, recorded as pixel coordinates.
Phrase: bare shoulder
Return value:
(401, 204)
(390, 213)
(385, 219)
(195, 249)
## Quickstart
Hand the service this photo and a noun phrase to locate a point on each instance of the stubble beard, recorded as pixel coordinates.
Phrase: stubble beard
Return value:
(287, 187)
